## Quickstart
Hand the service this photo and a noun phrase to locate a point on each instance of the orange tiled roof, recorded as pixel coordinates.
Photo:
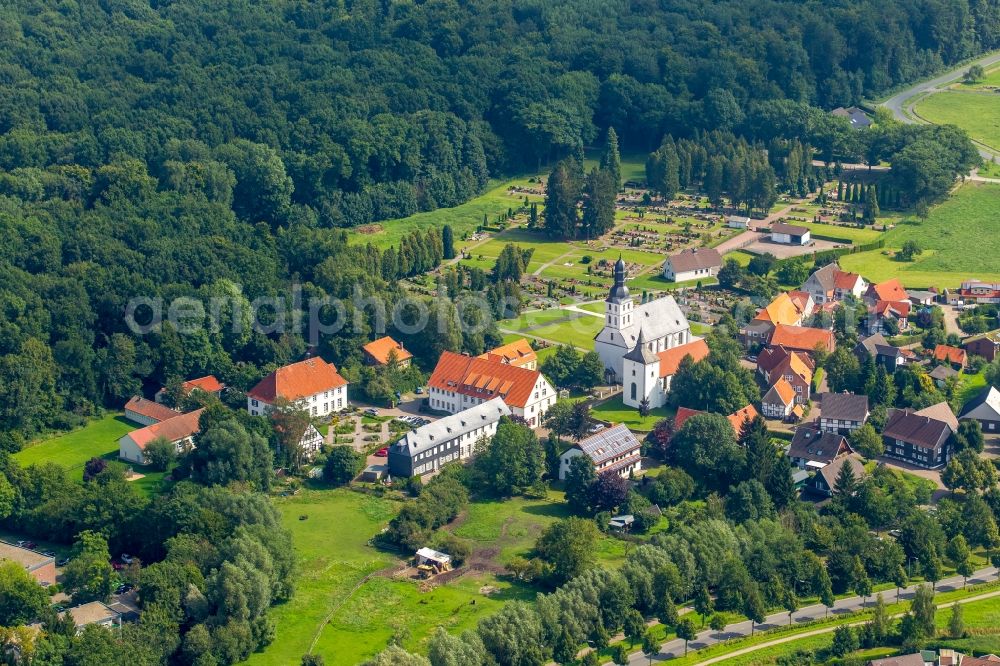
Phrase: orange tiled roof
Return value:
(890, 290)
(518, 352)
(150, 409)
(800, 299)
(379, 350)
(843, 280)
(950, 354)
(735, 419)
(298, 380)
(784, 391)
(901, 307)
(175, 429)
(782, 310)
(208, 383)
(794, 363)
(670, 359)
(802, 338)
(483, 378)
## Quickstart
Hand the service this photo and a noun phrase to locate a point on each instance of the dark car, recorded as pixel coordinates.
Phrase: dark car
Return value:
(62, 562)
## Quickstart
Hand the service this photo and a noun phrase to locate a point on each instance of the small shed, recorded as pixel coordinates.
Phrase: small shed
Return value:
(622, 522)
(375, 473)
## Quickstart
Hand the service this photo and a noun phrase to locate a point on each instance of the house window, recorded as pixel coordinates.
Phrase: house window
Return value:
(253, 402)
(633, 390)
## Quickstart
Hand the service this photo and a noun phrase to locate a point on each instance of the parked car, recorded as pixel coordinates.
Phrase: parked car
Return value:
(30, 545)
(48, 553)
(597, 427)
(371, 411)
(420, 390)
(383, 452)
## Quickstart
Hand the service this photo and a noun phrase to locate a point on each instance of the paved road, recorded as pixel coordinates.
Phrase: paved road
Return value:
(901, 105)
(675, 648)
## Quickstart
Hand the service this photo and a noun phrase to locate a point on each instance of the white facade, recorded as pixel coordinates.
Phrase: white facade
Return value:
(129, 451)
(642, 381)
(788, 239)
(323, 403)
(684, 276)
(542, 396)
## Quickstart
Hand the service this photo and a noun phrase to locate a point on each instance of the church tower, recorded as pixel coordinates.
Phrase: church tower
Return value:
(618, 305)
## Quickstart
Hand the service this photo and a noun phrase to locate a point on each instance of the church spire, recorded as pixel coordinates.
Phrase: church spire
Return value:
(619, 292)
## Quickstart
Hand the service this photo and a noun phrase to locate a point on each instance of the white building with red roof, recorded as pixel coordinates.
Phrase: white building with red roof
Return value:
(648, 374)
(208, 384)
(313, 385)
(459, 382)
(146, 412)
(179, 431)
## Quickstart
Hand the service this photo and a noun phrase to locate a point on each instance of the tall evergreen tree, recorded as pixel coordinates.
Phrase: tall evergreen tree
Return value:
(561, 195)
(611, 161)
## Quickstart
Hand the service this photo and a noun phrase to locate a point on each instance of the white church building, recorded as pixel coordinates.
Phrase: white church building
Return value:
(659, 325)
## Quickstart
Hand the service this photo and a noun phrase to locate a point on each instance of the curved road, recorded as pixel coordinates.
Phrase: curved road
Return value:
(675, 648)
(902, 107)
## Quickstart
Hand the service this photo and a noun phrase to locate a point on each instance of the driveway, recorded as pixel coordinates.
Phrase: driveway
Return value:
(675, 648)
(738, 241)
(782, 251)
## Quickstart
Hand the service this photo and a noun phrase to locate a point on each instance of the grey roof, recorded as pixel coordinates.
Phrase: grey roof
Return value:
(942, 412)
(942, 372)
(915, 659)
(656, 318)
(825, 277)
(984, 406)
(792, 229)
(451, 427)
(917, 295)
(695, 259)
(854, 115)
(916, 429)
(619, 292)
(844, 406)
(610, 443)
(641, 353)
(811, 444)
(832, 471)
(742, 219)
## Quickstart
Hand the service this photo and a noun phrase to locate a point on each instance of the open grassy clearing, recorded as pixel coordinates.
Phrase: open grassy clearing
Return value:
(977, 112)
(578, 332)
(990, 169)
(958, 238)
(99, 438)
(991, 79)
(616, 411)
(857, 236)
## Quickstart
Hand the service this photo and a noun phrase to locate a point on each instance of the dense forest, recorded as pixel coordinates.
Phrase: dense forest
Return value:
(215, 149)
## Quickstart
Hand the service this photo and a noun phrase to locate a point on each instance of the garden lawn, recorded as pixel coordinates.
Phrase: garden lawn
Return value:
(970, 386)
(976, 112)
(958, 238)
(578, 331)
(332, 557)
(99, 438)
(615, 411)
(855, 235)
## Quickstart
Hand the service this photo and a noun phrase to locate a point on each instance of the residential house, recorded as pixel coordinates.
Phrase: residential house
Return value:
(802, 339)
(312, 385)
(783, 310)
(914, 659)
(613, 450)
(977, 291)
(459, 382)
(855, 116)
(813, 449)
(986, 345)
(953, 356)
(887, 355)
(648, 375)
(693, 264)
(41, 567)
(797, 372)
(890, 317)
(779, 401)
(147, 412)
(179, 431)
(920, 437)
(830, 283)
(984, 408)
(824, 481)
(890, 290)
(738, 222)
(518, 353)
(93, 612)
(842, 413)
(453, 437)
(771, 357)
(207, 384)
(789, 234)
(311, 442)
(385, 350)
(736, 419)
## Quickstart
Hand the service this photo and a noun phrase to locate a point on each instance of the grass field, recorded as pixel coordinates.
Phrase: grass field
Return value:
(99, 438)
(557, 325)
(957, 241)
(992, 79)
(616, 411)
(853, 234)
(978, 112)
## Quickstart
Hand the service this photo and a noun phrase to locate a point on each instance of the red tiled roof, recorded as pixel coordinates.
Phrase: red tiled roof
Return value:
(802, 338)
(800, 299)
(518, 352)
(150, 409)
(735, 419)
(208, 383)
(843, 280)
(483, 378)
(793, 363)
(670, 359)
(298, 380)
(890, 290)
(900, 307)
(175, 429)
(950, 354)
(783, 391)
(782, 310)
(379, 350)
